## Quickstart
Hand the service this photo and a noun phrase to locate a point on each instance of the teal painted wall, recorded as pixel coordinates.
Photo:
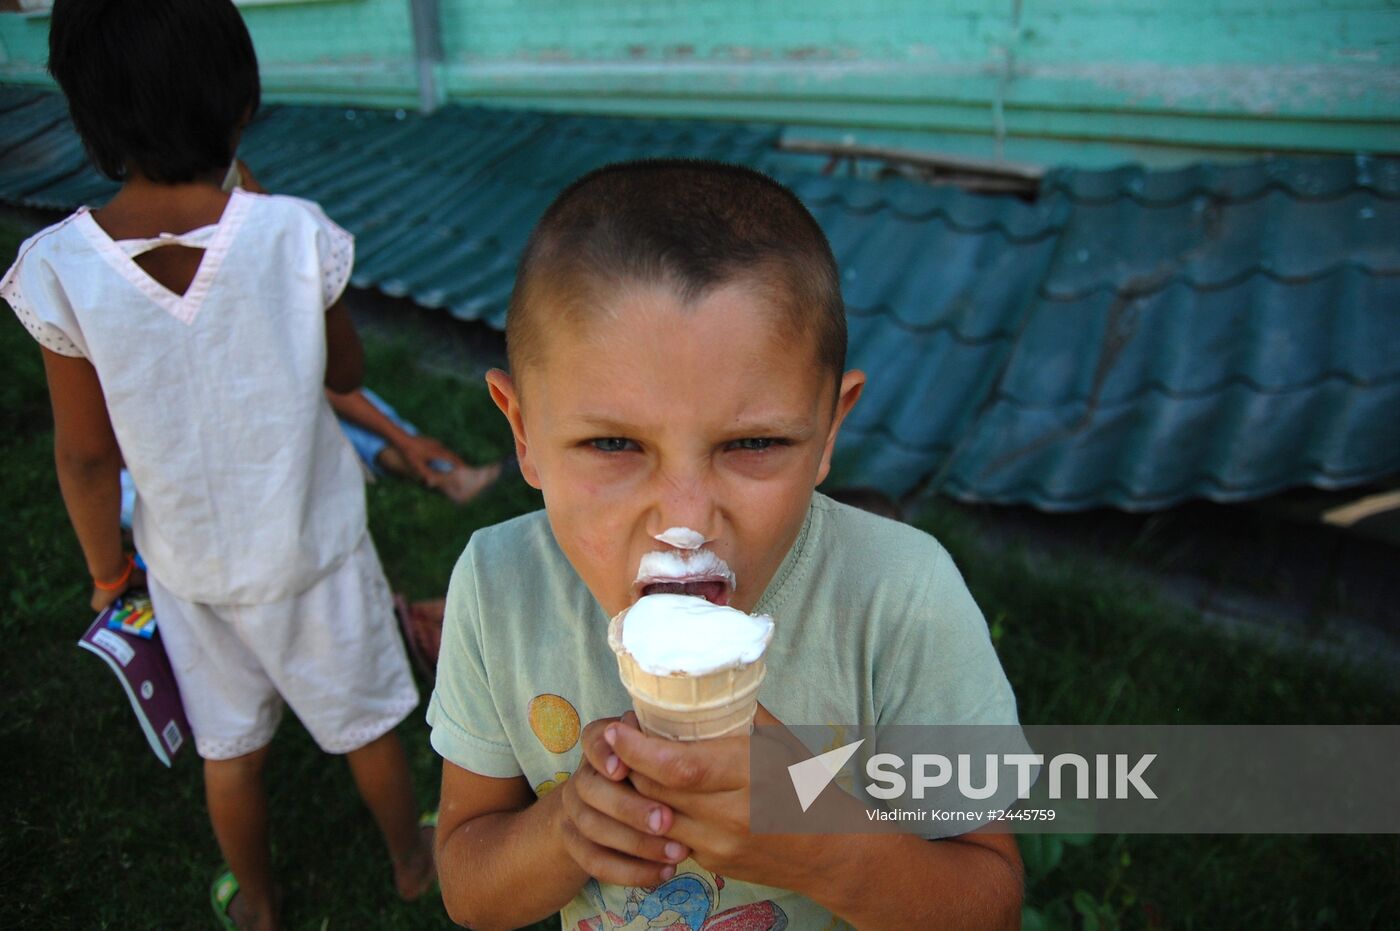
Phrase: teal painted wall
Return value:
(1086, 81)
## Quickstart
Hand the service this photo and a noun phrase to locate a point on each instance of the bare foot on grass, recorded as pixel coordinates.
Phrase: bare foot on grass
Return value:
(464, 484)
(246, 916)
(415, 872)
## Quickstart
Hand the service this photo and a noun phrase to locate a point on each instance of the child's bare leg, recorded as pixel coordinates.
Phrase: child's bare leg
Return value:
(381, 774)
(237, 799)
(459, 486)
(393, 462)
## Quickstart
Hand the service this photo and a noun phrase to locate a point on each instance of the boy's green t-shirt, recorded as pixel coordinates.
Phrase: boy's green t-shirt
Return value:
(873, 625)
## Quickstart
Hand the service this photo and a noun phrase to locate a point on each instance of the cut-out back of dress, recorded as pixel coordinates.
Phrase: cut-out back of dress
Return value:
(171, 260)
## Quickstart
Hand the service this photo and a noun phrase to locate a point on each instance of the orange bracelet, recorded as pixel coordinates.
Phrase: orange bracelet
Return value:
(121, 579)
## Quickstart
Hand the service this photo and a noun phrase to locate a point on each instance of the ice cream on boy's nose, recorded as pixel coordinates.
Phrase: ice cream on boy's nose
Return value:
(682, 538)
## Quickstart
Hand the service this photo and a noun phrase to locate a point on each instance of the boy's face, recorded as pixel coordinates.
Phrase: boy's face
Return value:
(651, 415)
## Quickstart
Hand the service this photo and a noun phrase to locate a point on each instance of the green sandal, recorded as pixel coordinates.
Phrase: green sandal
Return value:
(221, 893)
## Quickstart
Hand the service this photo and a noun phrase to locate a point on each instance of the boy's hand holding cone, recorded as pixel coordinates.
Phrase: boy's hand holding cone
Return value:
(679, 764)
(704, 786)
(609, 830)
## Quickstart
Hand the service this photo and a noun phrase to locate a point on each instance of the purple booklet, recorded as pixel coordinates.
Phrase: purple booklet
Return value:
(142, 668)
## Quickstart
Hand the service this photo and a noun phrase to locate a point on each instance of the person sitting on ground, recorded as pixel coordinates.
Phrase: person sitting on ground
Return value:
(386, 442)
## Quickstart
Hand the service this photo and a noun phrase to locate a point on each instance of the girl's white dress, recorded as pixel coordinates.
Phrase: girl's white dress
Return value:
(250, 504)
(247, 490)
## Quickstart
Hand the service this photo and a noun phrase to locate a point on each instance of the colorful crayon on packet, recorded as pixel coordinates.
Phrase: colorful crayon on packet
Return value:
(133, 614)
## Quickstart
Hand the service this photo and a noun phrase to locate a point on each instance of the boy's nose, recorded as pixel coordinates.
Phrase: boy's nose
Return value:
(684, 506)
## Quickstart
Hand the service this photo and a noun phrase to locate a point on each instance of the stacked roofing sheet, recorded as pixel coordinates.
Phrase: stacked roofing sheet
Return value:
(937, 284)
(1216, 332)
(1130, 338)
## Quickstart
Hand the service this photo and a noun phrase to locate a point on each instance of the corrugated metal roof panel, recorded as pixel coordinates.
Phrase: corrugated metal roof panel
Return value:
(1127, 247)
(442, 205)
(1133, 338)
(39, 151)
(1211, 332)
(1267, 334)
(1230, 445)
(1299, 177)
(937, 285)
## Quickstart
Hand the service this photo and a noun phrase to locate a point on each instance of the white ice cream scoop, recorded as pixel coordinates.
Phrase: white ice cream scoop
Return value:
(692, 668)
(682, 634)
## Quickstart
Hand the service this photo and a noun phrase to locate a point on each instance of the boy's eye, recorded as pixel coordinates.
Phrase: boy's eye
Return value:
(756, 443)
(612, 444)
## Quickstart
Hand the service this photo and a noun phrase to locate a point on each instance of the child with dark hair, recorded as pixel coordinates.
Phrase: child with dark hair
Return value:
(677, 381)
(191, 332)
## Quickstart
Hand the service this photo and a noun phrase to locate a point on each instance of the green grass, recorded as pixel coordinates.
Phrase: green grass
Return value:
(1083, 645)
(98, 835)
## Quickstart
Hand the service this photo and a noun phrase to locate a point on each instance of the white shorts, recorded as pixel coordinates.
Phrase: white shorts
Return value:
(333, 653)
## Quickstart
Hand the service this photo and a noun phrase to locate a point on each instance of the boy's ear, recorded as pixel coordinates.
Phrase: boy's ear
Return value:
(507, 398)
(852, 384)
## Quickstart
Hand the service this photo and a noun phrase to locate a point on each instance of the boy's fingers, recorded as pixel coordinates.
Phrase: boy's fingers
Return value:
(703, 766)
(693, 834)
(614, 835)
(609, 866)
(691, 807)
(621, 803)
(677, 800)
(599, 755)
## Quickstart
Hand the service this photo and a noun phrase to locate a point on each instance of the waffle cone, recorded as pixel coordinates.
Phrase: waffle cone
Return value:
(689, 707)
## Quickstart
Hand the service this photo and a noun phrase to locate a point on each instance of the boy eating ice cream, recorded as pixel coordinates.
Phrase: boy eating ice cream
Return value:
(677, 344)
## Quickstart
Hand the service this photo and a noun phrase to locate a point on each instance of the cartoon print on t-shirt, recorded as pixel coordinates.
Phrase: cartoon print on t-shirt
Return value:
(685, 902)
(555, 722)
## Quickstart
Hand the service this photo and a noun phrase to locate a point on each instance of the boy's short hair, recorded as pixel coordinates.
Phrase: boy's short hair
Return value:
(160, 85)
(690, 225)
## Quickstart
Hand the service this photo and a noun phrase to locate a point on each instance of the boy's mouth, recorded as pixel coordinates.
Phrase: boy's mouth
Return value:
(715, 591)
(699, 572)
